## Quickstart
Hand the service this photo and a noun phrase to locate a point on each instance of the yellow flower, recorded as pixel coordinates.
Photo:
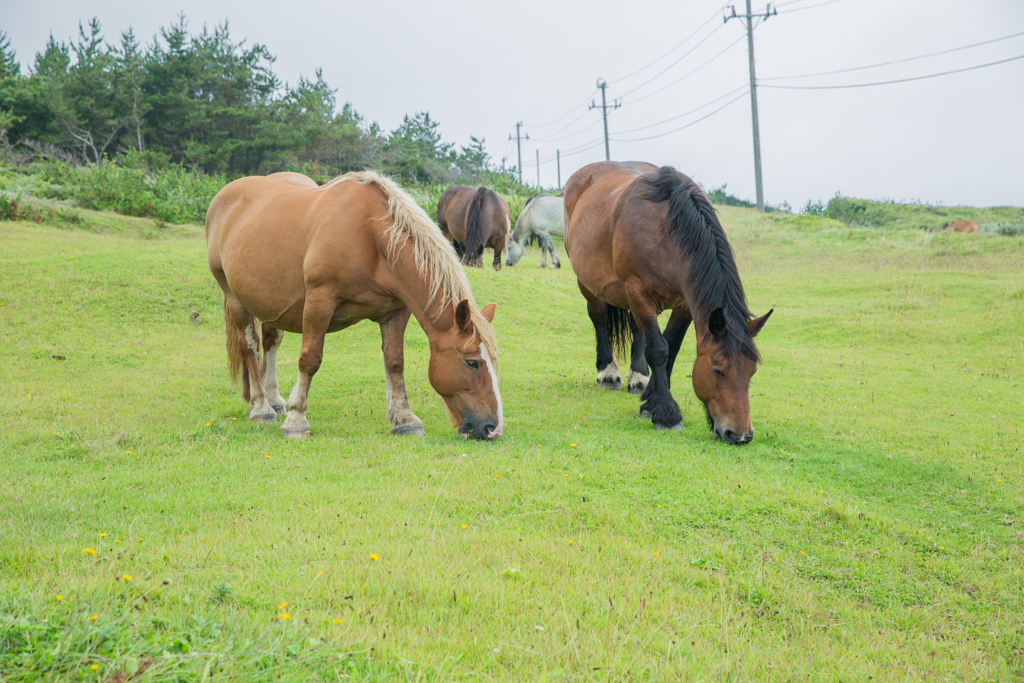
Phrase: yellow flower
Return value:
(234, 418)
(268, 457)
(337, 621)
(207, 424)
(103, 534)
(802, 552)
(59, 598)
(88, 551)
(463, 526)
(282, 606)
(657, 555)
(285, 615)
(94, 617)
(570, 542)
(128, 452)
(94, 667)
(572, 445)
(659, 506)
(126, 577)
(373, 557)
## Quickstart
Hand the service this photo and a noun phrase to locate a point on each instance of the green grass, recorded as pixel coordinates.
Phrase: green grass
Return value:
(873, 214)
(872, 529)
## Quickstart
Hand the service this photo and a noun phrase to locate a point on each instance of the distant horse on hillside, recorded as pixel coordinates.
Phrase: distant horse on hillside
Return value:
(474, 218)
(543, 216)
(642, 240)
(294, 257)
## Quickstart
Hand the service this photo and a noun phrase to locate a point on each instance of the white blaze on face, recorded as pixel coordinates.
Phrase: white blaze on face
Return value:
(497, 394)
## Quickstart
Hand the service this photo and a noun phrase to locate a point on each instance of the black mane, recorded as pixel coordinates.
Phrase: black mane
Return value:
(713, 276)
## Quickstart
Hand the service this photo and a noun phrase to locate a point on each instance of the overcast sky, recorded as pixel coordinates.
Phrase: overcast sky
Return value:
(479, 68)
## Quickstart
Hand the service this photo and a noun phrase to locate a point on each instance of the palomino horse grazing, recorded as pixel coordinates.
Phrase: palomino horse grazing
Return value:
(642, 240)
(543, 216)
(312, 260)
(474, 218)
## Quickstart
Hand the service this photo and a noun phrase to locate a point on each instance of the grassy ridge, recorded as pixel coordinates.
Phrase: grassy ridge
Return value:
(865, 532)
(892, 215)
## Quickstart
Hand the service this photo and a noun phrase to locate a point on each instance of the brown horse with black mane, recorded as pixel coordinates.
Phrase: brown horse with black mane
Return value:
(294, 257)
(643, 240)
(474, 218)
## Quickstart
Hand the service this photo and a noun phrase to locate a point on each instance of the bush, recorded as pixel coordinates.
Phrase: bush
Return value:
(173, 194)
(9, 209)
(1006, 228)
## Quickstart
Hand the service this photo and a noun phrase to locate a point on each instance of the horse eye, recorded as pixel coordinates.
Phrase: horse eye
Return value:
(719, 372)
(473, 364)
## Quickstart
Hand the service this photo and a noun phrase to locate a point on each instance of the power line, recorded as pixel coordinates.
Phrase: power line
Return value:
(569, 125)
(566, 137)
(896, 61)
(900, 80)
(593, 145)
(692, 123)
(677, 46)
(679, 116)
(567, 114)
(801, 9)
(681, 78)
(684, 56)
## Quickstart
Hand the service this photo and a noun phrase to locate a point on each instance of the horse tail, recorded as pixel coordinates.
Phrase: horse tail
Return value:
(232, 342)
(619, 330)
(474, 231)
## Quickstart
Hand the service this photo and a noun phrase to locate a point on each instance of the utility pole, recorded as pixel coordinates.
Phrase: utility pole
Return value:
(768, 12)
(538, 168)
(604, 106)
(558, 159)
(519, 149)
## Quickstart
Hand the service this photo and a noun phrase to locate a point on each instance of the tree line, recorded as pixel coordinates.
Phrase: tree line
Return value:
(208, 103)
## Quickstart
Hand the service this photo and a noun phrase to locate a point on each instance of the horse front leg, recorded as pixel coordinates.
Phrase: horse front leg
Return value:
(392, 343)
(543, 251)
(657, 398)
(555, 263)
(675, 331)
(497, 259)
(316, 316)
(608, 376)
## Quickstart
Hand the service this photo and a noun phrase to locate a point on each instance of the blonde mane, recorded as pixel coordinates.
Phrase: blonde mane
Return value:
(432, 253)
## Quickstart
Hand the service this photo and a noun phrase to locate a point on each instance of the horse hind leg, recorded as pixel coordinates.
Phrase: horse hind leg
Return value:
(639, 373)
(392, 334)
(272, 338)
(497, 259)
(608, 376)
(244, 348)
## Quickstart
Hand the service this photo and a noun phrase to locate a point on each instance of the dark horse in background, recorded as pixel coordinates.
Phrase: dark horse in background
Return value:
(643, 240)
(474, 218)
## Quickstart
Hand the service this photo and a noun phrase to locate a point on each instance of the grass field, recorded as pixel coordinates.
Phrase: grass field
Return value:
(874, 529)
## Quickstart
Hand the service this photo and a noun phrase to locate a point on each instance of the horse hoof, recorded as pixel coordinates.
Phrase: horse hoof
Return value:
(411, 429)
(645, 415)
(636, 388)
(296, 433)
(673, 428)
(612, 384)
(269, 418)
(279, 409)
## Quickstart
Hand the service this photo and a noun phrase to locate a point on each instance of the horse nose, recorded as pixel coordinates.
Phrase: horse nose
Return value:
(732, 436)
(481, 429)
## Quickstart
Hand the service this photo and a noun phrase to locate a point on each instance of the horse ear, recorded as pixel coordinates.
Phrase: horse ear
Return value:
(755, 325)
(488, 312)
(716, 324)
(462, 317)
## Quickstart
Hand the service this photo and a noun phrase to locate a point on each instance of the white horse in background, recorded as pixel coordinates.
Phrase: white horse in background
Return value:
(543, 216)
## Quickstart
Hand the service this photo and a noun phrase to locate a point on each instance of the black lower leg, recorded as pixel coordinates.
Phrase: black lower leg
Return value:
(658, 401)
(675, 331)
(599, 317)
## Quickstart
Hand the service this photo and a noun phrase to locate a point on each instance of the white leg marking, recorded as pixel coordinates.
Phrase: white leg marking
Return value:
(252, 340)
(497, 394)
(610, 377)
(637, 383)
(271, 386)
(296, 424)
